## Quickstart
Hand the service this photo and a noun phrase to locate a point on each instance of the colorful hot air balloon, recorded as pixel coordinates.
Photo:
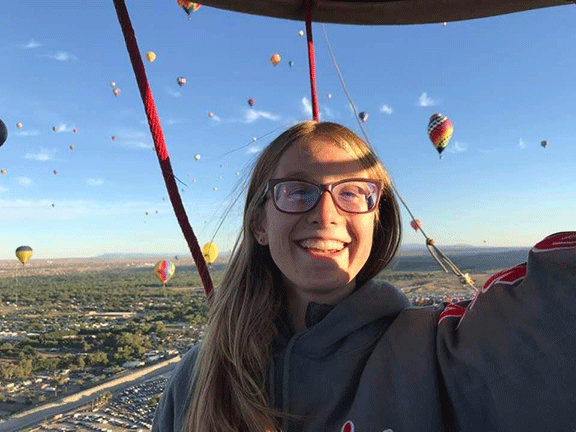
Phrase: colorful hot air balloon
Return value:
(440, 131)
(188, 6)
(71, 147)
(112, 84)
(55, 172)
(75, 130)
(150, 56)
(3, 133)
(275, 59)
(181, 81)
(116, 91)
(164, 270)
(197, 157)
(251, 102)
(23, 253)
(210, 114)
(112, 137)
(3, 172)
(416, 224)
(544, 143)
(363, 116)
(210, 252)
(19, 125)
(55, 128)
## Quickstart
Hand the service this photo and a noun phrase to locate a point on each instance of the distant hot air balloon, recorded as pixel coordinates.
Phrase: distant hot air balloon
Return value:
(164, 270)
(544, 143)
(3, 172)
(290, 63)
(23, 253)
(188, 6)
(55, 172)
(210, 252)
(363, 116)
(55, 128)
(181, 81)
(151, 56)
(275, 59)
(254, 139)
(444, 24)
(75, 130)
(416, 224)
(300, 33)
(71, 147)
(440, 131)
(197, 157)
(214, 188)
(112, 84)
(19, 125)
(329, 95)
(251, 102)
(210, 114)
(53, 205)
(116, 91)
(3, 133)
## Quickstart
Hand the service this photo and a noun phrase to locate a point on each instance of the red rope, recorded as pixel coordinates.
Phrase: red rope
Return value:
(311, 61)
(160, 144)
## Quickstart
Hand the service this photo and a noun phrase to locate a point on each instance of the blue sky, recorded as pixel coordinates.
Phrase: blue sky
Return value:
(507, 83)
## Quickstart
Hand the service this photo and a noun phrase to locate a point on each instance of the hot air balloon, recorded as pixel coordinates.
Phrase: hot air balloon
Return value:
(300, 33)
(181, 81)
(71, 147)
(210, 114)
(290, 63)
(197, 157)
(363, 116)
(150, 56)
(3, 133)
(544, 143)
(113, 137)
(251, 102)
(275, 59)
(3, 172)
(214, 188)
(444, 24)
(112, 84)
(416, 224)
(55, 128)
(23, 253)
(210, 252)
(116, 91)
(164, 270)
(254, 139)
(329, 95)
(440, 131)
(19, 125)
(188, 6)
(75, 130)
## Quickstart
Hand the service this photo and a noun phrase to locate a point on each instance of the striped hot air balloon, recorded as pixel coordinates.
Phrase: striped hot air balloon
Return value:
(164, 270)
(440, 131)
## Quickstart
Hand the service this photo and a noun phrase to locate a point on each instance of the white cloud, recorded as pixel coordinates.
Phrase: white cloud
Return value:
(94, 182)
(24, 181)
(215, 118)
(62, 56)
(27, 133)
(174, 121)
(133, 139)
(173, 93)
(253, 149)
(43, 156)
(328, 113)
(306, 106)
(32, 44)
(386, 109)
(251, 115)
(521, 144)
(457, 147)
(424, 100)
(3, 189)
(63, 127)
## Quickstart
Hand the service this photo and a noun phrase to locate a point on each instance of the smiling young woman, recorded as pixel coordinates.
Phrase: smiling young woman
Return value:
(301, 337)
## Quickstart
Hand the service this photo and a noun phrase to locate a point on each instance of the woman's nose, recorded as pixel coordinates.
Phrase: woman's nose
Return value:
(326, 211)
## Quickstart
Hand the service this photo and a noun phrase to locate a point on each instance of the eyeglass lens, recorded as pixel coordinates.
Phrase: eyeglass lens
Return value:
(355, 196)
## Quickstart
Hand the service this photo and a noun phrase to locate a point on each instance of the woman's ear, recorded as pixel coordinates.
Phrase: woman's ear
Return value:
(258, 229)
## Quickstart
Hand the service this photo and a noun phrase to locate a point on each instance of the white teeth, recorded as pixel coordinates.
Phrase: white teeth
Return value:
(327, 245)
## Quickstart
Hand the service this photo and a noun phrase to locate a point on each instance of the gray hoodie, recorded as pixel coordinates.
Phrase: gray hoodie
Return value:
(502, 362)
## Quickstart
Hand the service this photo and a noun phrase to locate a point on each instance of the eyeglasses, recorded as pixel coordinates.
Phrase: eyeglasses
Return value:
(356, 195)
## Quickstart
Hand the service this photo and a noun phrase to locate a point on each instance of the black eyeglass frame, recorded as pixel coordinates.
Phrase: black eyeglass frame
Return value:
(324, 188)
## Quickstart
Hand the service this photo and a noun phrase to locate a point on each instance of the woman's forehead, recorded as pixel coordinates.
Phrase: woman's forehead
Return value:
(318, 158)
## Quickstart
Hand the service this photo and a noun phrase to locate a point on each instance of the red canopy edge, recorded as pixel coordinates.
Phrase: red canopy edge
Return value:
(384, 12)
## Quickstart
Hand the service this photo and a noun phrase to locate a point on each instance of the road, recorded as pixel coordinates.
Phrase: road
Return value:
(69, 403)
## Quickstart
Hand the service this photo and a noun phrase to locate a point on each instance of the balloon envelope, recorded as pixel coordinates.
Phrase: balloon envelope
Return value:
(3, 133)
(23, 253)
(19, 125)
(181, 81)
(275, 59)
(544, 143)
(164, 270)
(416, 224)
(151, 56)
(363, 116)
(210, 252)
(440, 131)
(188, 6)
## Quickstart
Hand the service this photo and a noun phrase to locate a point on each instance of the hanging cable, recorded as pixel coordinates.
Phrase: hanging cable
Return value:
(434, 251)
(160, 144)
(311, 60)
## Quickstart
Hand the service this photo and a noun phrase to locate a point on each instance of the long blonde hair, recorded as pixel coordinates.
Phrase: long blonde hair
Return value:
(228, 392)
